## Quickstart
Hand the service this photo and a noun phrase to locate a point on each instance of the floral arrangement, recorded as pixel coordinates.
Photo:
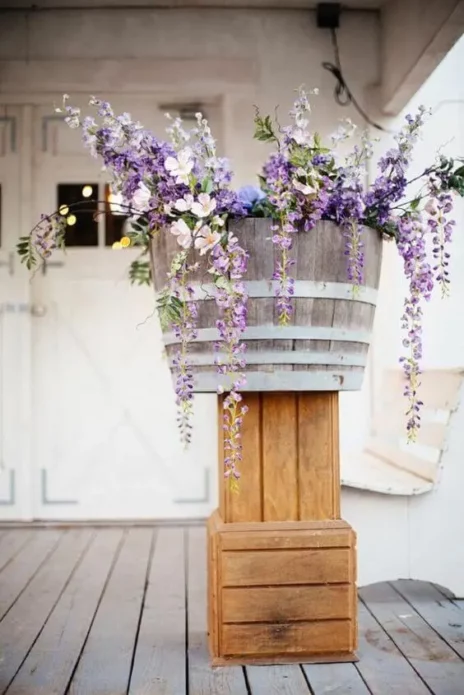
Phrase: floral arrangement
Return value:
(180, 186)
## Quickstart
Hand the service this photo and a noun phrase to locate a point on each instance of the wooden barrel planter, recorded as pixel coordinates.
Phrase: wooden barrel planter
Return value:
(325, 348)
(281, 561)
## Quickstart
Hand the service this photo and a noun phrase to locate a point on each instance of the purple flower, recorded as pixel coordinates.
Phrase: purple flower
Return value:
(412, 248)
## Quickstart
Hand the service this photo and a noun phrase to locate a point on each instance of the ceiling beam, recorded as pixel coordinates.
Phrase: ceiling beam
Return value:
(416, 36)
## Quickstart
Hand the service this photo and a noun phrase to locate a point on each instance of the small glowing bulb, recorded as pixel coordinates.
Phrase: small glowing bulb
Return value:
(115, 200)
(64, 210)
(125, 242)
(72, 219)
(87, 191)
(116, 246)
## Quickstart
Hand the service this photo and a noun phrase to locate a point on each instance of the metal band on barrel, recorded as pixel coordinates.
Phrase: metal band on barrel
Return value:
(210, 335)
(285, 357)
(207, 382)
(309, 289)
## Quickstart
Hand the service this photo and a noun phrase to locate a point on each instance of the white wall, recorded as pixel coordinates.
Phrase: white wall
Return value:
(246, 57)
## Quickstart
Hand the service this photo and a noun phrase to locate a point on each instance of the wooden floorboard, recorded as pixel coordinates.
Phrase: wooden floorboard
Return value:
(160, 658)
(50, 663)
(381, 664)
(11, 543)
(277, 680)
(441, 614)
(104, 667)
(24, 622)
(336, 679)
(430, 656)
(22, 567)
(122, 611)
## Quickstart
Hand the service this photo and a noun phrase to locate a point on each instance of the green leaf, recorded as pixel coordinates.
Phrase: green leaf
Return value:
(414, 204)
(207, 185)
(264, 130)
(140, 273)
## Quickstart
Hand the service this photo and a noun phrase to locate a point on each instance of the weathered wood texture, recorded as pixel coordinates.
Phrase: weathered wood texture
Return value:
(281, 571)
(290, 467)
(329, 331)
(281, 594)
(411, 634)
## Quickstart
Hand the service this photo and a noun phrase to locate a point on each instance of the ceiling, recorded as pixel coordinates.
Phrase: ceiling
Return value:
(260, 4)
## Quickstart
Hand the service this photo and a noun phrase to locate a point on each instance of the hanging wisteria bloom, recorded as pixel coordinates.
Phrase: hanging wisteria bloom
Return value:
(177, 191)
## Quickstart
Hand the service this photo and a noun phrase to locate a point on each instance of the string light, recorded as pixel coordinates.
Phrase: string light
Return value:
(87, 191)
(115, 200)
(72, 219)
(64, 210)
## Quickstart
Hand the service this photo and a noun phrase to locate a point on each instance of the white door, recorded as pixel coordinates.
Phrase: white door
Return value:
(104, 437)
(14, 320)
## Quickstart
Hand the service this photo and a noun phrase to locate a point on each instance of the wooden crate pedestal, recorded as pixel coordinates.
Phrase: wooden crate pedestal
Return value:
(281, 563)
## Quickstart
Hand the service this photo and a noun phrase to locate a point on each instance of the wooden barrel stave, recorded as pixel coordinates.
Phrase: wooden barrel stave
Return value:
(320, 258)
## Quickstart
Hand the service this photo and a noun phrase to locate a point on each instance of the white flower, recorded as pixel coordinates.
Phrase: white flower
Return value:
(305, 188)
(431, 207)
(180, 167)
(300, 135)
(218, 221)
(141, 198)
(185, 203)
(204, 206)
(183, 233)
(206, 239)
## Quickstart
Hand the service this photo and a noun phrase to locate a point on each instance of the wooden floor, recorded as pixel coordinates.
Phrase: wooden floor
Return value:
(112, 611)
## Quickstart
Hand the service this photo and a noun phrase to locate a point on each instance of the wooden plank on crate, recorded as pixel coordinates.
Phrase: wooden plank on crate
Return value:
(381, 664)
(318, 455)
(279, 567)
(437, 664)
(335, 679)
(51, 661)
(256, 540)
(443, 615)
(246, 504)
(22, 624)
(264, 604)
(11, 543)
(160, 658)
(282, 526)
(203, 680)
(19, 572)
(277, 680)
(280, 457)
(273, 639)
(105, 663)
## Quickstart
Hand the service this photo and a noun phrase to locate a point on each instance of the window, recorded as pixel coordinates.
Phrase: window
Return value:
(115, 218)
(78, 202)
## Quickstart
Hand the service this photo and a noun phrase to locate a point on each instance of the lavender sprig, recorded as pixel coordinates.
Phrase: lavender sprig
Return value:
(439, 205)
(183, 321)
(411, 246)
(229, 262)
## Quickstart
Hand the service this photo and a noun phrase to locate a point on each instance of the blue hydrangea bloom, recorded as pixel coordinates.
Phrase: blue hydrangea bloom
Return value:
(250, 195)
